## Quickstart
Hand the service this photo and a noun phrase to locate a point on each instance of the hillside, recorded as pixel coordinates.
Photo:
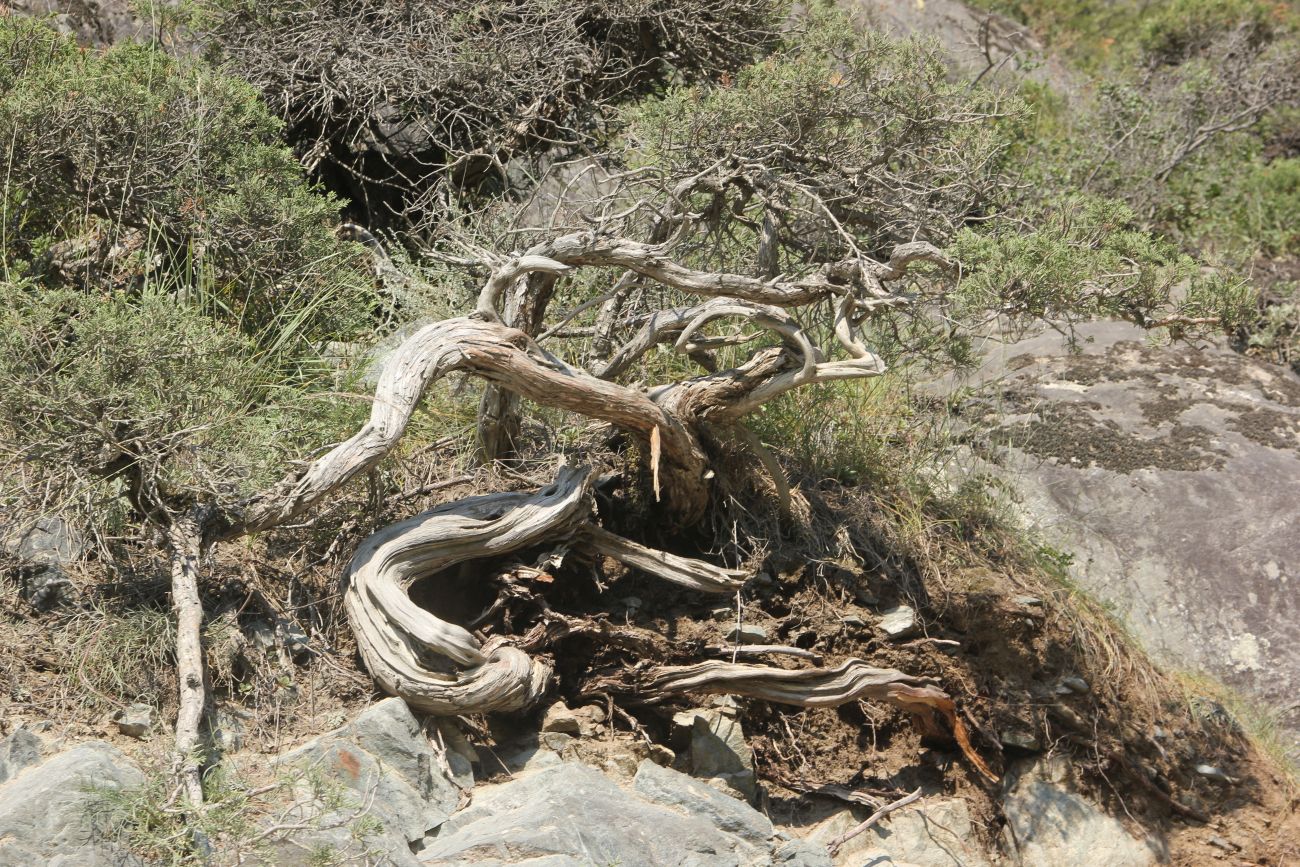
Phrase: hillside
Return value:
(707, 432)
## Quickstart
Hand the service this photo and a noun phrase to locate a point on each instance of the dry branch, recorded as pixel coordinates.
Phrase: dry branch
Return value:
(853, 679)
(184, 536)
(834, 846)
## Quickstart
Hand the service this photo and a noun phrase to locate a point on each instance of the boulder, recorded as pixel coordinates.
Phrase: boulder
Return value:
(19, 750)
(385, 771)
(1169, 474)
(718, 748)
(669, 788)
(572, 814)
(1050, 822)
(933, 833)
(56, 810)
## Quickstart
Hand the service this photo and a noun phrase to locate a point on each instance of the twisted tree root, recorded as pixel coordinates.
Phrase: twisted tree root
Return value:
(851, 680)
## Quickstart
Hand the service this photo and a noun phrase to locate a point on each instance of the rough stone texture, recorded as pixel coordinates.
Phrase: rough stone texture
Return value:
(1048, 822)
(19, 750)
(1170, 475)
(48, 811)
(668, 788)
(92, 22)
(934, 833)
(573, 813)
(135, 721)
(801, 853)
(747, 633)
(958, 28)
(391, 768)
(718, 747)
(899, 623)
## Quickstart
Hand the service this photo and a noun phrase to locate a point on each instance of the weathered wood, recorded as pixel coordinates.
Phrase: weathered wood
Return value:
(851, 680)
(503, 356)
(396, 637)
(686, 571)
(184, 536)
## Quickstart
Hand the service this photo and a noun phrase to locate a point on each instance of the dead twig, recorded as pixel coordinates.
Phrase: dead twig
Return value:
(875, 817)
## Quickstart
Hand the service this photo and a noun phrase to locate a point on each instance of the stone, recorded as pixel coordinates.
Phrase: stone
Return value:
(935, 832)
(386, 761)
(672, 789)
(55, 808)
(1168, 472)
(557, 741)
(747, 633)
(572, 814)
(17, 751)
(718, 747)
(1050, 822)
(898, 622)
(135, 721)
(559, 718)
(853, 620)
(1075, 685)
(1210, 772)
(1020, 738)
(801, 853)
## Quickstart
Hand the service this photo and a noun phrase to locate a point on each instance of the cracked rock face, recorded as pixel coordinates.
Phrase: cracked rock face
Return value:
(1173, 476)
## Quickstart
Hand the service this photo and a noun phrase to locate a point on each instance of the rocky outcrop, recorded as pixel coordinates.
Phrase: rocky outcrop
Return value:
(1170, 474)
(51, 811)
(93, 22)
(977, 41)
(572, 814)
(1050, 822)
(939, 833)
(375, 788)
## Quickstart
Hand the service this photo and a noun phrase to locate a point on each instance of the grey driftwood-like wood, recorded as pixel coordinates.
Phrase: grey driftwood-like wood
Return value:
(441, 667)
(184, 537)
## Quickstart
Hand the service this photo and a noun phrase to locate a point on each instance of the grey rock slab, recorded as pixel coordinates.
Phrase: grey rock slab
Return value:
(1050, 822)
(17, 751)
(573, 811)
(58, 806)
(385, 759)
(801, 853)
(669, 788)
(1169, 474)
(933, 833)
(718, 747)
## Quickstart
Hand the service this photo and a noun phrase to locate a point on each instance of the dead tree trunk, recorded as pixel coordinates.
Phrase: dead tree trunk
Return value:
(184, 537)
(441, 667)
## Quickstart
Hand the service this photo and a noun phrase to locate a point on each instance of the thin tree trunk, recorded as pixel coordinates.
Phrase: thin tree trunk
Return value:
(184, 536)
